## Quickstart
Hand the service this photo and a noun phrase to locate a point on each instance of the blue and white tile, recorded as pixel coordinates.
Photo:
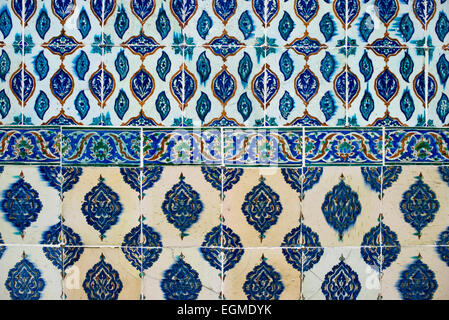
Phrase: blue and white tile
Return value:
(183, 205)
(356, 279)
(263, 274)
(103, 206)
(308, 92)
(261, 207)
(413, 207)
(181, 274)
(27, 274)
(218, 22)
(12, 24)
(84, 279)
(229, 86)
(437, 82)
(11, 98)
(438, 26)
(151, 102)
(340, 205)
(390, 86)
(419, 273)
(30, 203)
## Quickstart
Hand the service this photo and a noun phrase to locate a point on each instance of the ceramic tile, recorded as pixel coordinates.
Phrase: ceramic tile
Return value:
(12, 99)
(340, 204)
(100, 146)
(261, 206)
(12, 22)
(389, 23)
(27, 274)
(183, 204)
(181, 274)
(416, 221)
(63, 87)
(154, 19)
(415, 146)
(356, 279)
(342, 146)
(438, 26)
(263, 274)
(229, 23)
(84, 278)
(30, 204)
(144, 90)
(309, 90)
(437, 98)
(389, 85)
(229, 86)
(400, 280)
(102, 205)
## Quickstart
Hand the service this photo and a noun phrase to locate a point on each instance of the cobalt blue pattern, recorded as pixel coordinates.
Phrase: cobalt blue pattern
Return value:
(62, 257)
(341, 283)
(21, 204)
(101, 207)
(181, 282)
(373, 176)
(341, 207)
(102, 281)
(380, 247)
(419, 205)
(61, 179)
(417, 282)
(263, 283)
(142, 254)
(182, 206)
(262, 207)
(25, 281)
(442, 247)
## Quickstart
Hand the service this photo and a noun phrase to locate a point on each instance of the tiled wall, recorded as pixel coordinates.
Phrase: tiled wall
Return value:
(212, 149)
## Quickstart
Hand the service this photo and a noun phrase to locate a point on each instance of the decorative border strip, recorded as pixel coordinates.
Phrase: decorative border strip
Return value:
(30, 145)
(278, 147)
(100, 146)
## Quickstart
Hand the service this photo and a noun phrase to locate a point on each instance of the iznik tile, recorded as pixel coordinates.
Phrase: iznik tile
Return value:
(12, 73)
(183, 204)
(419, 273)
(341, 204)
(389, 23)
(182, 146)
(100, 146)
(343, 146)
(390, 84)
(309, 24)
(230, 86)
(341, 274)
(27, 274)
(227, 23)
(65, 85)
(102, 274)
(155, 20)
(30, 204)
(263, 274)
(413, 206)
(438, 26)
(437, 81)
(261, 205)
(12, 22)
(147, 83)
(30, 145)
(263, 147)
(102, 205)
(310, 90)
(182, 274)
(416, 146)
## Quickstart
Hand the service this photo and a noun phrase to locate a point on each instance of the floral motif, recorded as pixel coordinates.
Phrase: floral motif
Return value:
(102, 281)
(442, 247)
(341, 207)
(262, 207)
(182, 206)
(101, 207)
(263, 283)
(21, 204)
(25, 281)
(419, 205)
(417, 281)
(181, 281)
(341, 283)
